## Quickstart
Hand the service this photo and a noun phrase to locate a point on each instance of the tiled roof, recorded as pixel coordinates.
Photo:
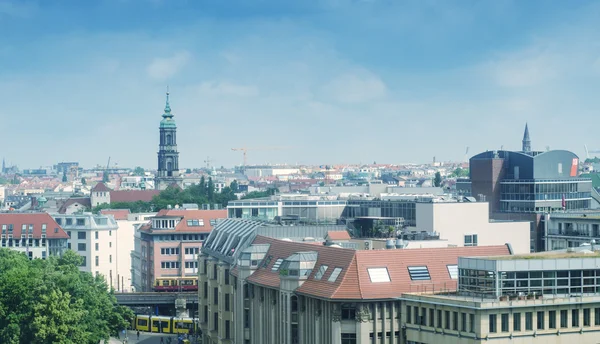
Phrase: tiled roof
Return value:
(53, 230)
(205, 215)
(83, 201)
(354, 281)
(118, 214)
(338, 235)
(132, 195)
(100, 187)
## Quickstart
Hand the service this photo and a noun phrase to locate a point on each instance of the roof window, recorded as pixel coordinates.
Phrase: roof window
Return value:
(419, 273)
(453, 271)
(334, 274)
(379, 275)
(277, 264)
(321, 272)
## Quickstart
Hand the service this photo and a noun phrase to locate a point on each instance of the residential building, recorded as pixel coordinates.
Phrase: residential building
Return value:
(102, 194)
(170, 244)
(294, 292)
(168, 157)
(550, 297)
(94, 237)
(563, 230)
(35, 234)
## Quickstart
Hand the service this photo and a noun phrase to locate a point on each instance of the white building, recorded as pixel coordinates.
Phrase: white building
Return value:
(95, 238)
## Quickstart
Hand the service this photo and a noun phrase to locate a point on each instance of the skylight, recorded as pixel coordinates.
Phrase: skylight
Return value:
(453, 271)
(419, 273)
(379, 275)
(277, 264)
(321, 272)
(334, 274)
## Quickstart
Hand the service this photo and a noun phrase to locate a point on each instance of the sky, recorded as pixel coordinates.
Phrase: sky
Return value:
(300, 81)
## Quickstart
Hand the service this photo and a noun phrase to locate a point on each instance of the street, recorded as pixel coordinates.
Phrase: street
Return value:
(145, 338)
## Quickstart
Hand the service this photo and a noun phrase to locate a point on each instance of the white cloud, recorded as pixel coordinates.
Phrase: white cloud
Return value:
(525, 68)
(20, 9)
(225, 88)
(355, 87)
(164, 68)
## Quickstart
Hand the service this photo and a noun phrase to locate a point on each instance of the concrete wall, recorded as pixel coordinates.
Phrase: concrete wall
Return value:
(125, 244)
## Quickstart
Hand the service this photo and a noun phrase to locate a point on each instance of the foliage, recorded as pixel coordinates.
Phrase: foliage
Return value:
(83, 182)
(105, 177)
(4, 181)
(64, 177)
(460, 173)
(437, 180)
(595, 160)
(261, 194)
(51, 301)
(139, 171)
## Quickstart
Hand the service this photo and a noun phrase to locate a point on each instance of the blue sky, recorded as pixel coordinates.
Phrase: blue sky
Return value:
(333, 81)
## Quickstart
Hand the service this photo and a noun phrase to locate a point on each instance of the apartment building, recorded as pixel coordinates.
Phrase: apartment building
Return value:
(170, 244)
(229, 247)
(540, 298)
(35, 234)
(570, 229)
(281, 291)
(94, 237)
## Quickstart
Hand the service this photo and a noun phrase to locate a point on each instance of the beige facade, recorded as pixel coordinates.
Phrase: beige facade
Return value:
(439, 319)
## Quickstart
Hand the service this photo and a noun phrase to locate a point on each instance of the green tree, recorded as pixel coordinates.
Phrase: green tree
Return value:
(460, 173)
(210, 190)
(234, 186)
(83, 182)
(437, 180)
(64, 178)
(105, 177)
(202, 186)
(139, 171)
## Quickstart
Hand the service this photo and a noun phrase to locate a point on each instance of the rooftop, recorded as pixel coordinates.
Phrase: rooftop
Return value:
(560, 254)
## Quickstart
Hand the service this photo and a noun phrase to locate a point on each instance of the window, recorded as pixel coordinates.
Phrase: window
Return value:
(431, 317)
(69, 234)
(334, 274)
(463, 322)
(408, 314)
(416, 311)
(81, 247)
(227, 303)
(587, 321)
(227, 328)
(379, 275)
(277, 264)
(492, 324)
(528, 321)
(320, 272)
(348, 338)
(439, 318)
(84, 262)
(68, 222)
(43, 228)
(447, 320)
(96, 235)
(597, 316)
(216, 296)
(81, 235)
(471, 240)
(453, 271)
(455, 321)
(504, 322)
(80, 222)
(216, 321)
(97, 247)
(540, 320)
(552, 319)
(110, 258)
(97, 261)
(472, 322)
(58, 221)
(516, 322)
(575, 318)
(348, 312)
(418, 273)
(564, 319)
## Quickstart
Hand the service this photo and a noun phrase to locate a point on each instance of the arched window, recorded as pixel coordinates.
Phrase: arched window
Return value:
(169, 140)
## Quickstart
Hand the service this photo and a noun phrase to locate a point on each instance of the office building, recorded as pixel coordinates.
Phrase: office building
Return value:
(564, 230)
(35, 234)
(550, 297)
(94, 237)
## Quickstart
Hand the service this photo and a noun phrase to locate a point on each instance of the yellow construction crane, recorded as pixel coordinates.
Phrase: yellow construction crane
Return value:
(246, 149)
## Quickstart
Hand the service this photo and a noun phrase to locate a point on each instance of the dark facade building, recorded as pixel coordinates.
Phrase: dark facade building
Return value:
(523, 185)
(168, 157)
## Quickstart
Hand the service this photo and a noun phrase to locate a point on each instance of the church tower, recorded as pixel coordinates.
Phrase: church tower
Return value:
(526, 140)
(168, 157)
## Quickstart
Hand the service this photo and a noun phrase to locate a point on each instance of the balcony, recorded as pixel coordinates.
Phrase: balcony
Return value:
(573, 233)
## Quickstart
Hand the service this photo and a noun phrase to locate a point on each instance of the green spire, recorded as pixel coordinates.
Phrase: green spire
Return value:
(167, 113)
(167, 121)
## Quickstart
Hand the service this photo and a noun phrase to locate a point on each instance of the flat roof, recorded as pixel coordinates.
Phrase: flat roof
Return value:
(548, 255)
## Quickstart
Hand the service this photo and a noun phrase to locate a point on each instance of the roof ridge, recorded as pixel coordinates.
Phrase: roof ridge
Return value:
(346, 273)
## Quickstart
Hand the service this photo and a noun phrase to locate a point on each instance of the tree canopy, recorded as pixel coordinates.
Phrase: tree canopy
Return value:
(51, 301)
(460, 173)
(139, 171)
(437, 180)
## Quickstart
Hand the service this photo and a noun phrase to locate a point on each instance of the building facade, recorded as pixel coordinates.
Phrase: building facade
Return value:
(570, 229)
(549, 298)
(168, 156)
(170, 243)
(35, 234)
(94, 237)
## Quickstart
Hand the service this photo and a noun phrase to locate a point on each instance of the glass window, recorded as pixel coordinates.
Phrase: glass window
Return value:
(492, 323)
(552, 319)
(528, 321)
(81, 235)
(516, 322)
(540, 320)
(334, 275)
(320, 272)
(504, 321)
(81, 247)
(587, 321)
(575, 318)
(564, 318)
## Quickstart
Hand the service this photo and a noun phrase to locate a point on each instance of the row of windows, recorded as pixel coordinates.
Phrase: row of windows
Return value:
(169, 251)
(440, 318)
(540, 319)
(82, 235)
(24, 228)
(24, 242)
(191, 265)
(192, 250)
(170, 265)
(181, 237)
(69, 221)
(98, 245)
(98, 260)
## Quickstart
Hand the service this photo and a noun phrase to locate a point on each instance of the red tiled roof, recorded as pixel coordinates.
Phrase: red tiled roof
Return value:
(118, 214)
(338, 235)
(99, 187)
(83, 201)
(354, 283)
(132, 195)
(53, 230)
(185, 215)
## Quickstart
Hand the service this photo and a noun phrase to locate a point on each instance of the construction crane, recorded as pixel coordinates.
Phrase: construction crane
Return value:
(246, 149)
(466, 154)
(208, 161)
(587, 152)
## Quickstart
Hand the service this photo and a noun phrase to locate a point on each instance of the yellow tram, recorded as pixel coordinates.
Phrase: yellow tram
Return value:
(164, 324)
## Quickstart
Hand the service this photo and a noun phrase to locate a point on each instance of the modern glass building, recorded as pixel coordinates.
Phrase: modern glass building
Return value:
(306, 209)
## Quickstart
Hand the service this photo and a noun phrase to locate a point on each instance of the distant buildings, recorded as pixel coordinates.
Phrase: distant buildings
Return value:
(35, 234)
(94, 237)
(168, 157)
(169, 245)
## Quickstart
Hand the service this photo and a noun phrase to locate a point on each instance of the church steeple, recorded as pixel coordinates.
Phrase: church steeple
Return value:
(526, 140)
(167, 113)
(168, 157)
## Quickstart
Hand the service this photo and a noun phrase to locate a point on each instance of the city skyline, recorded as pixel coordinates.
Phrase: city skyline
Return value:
(82, 82)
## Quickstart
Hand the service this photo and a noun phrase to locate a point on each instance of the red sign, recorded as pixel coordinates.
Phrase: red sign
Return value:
(574, 167)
